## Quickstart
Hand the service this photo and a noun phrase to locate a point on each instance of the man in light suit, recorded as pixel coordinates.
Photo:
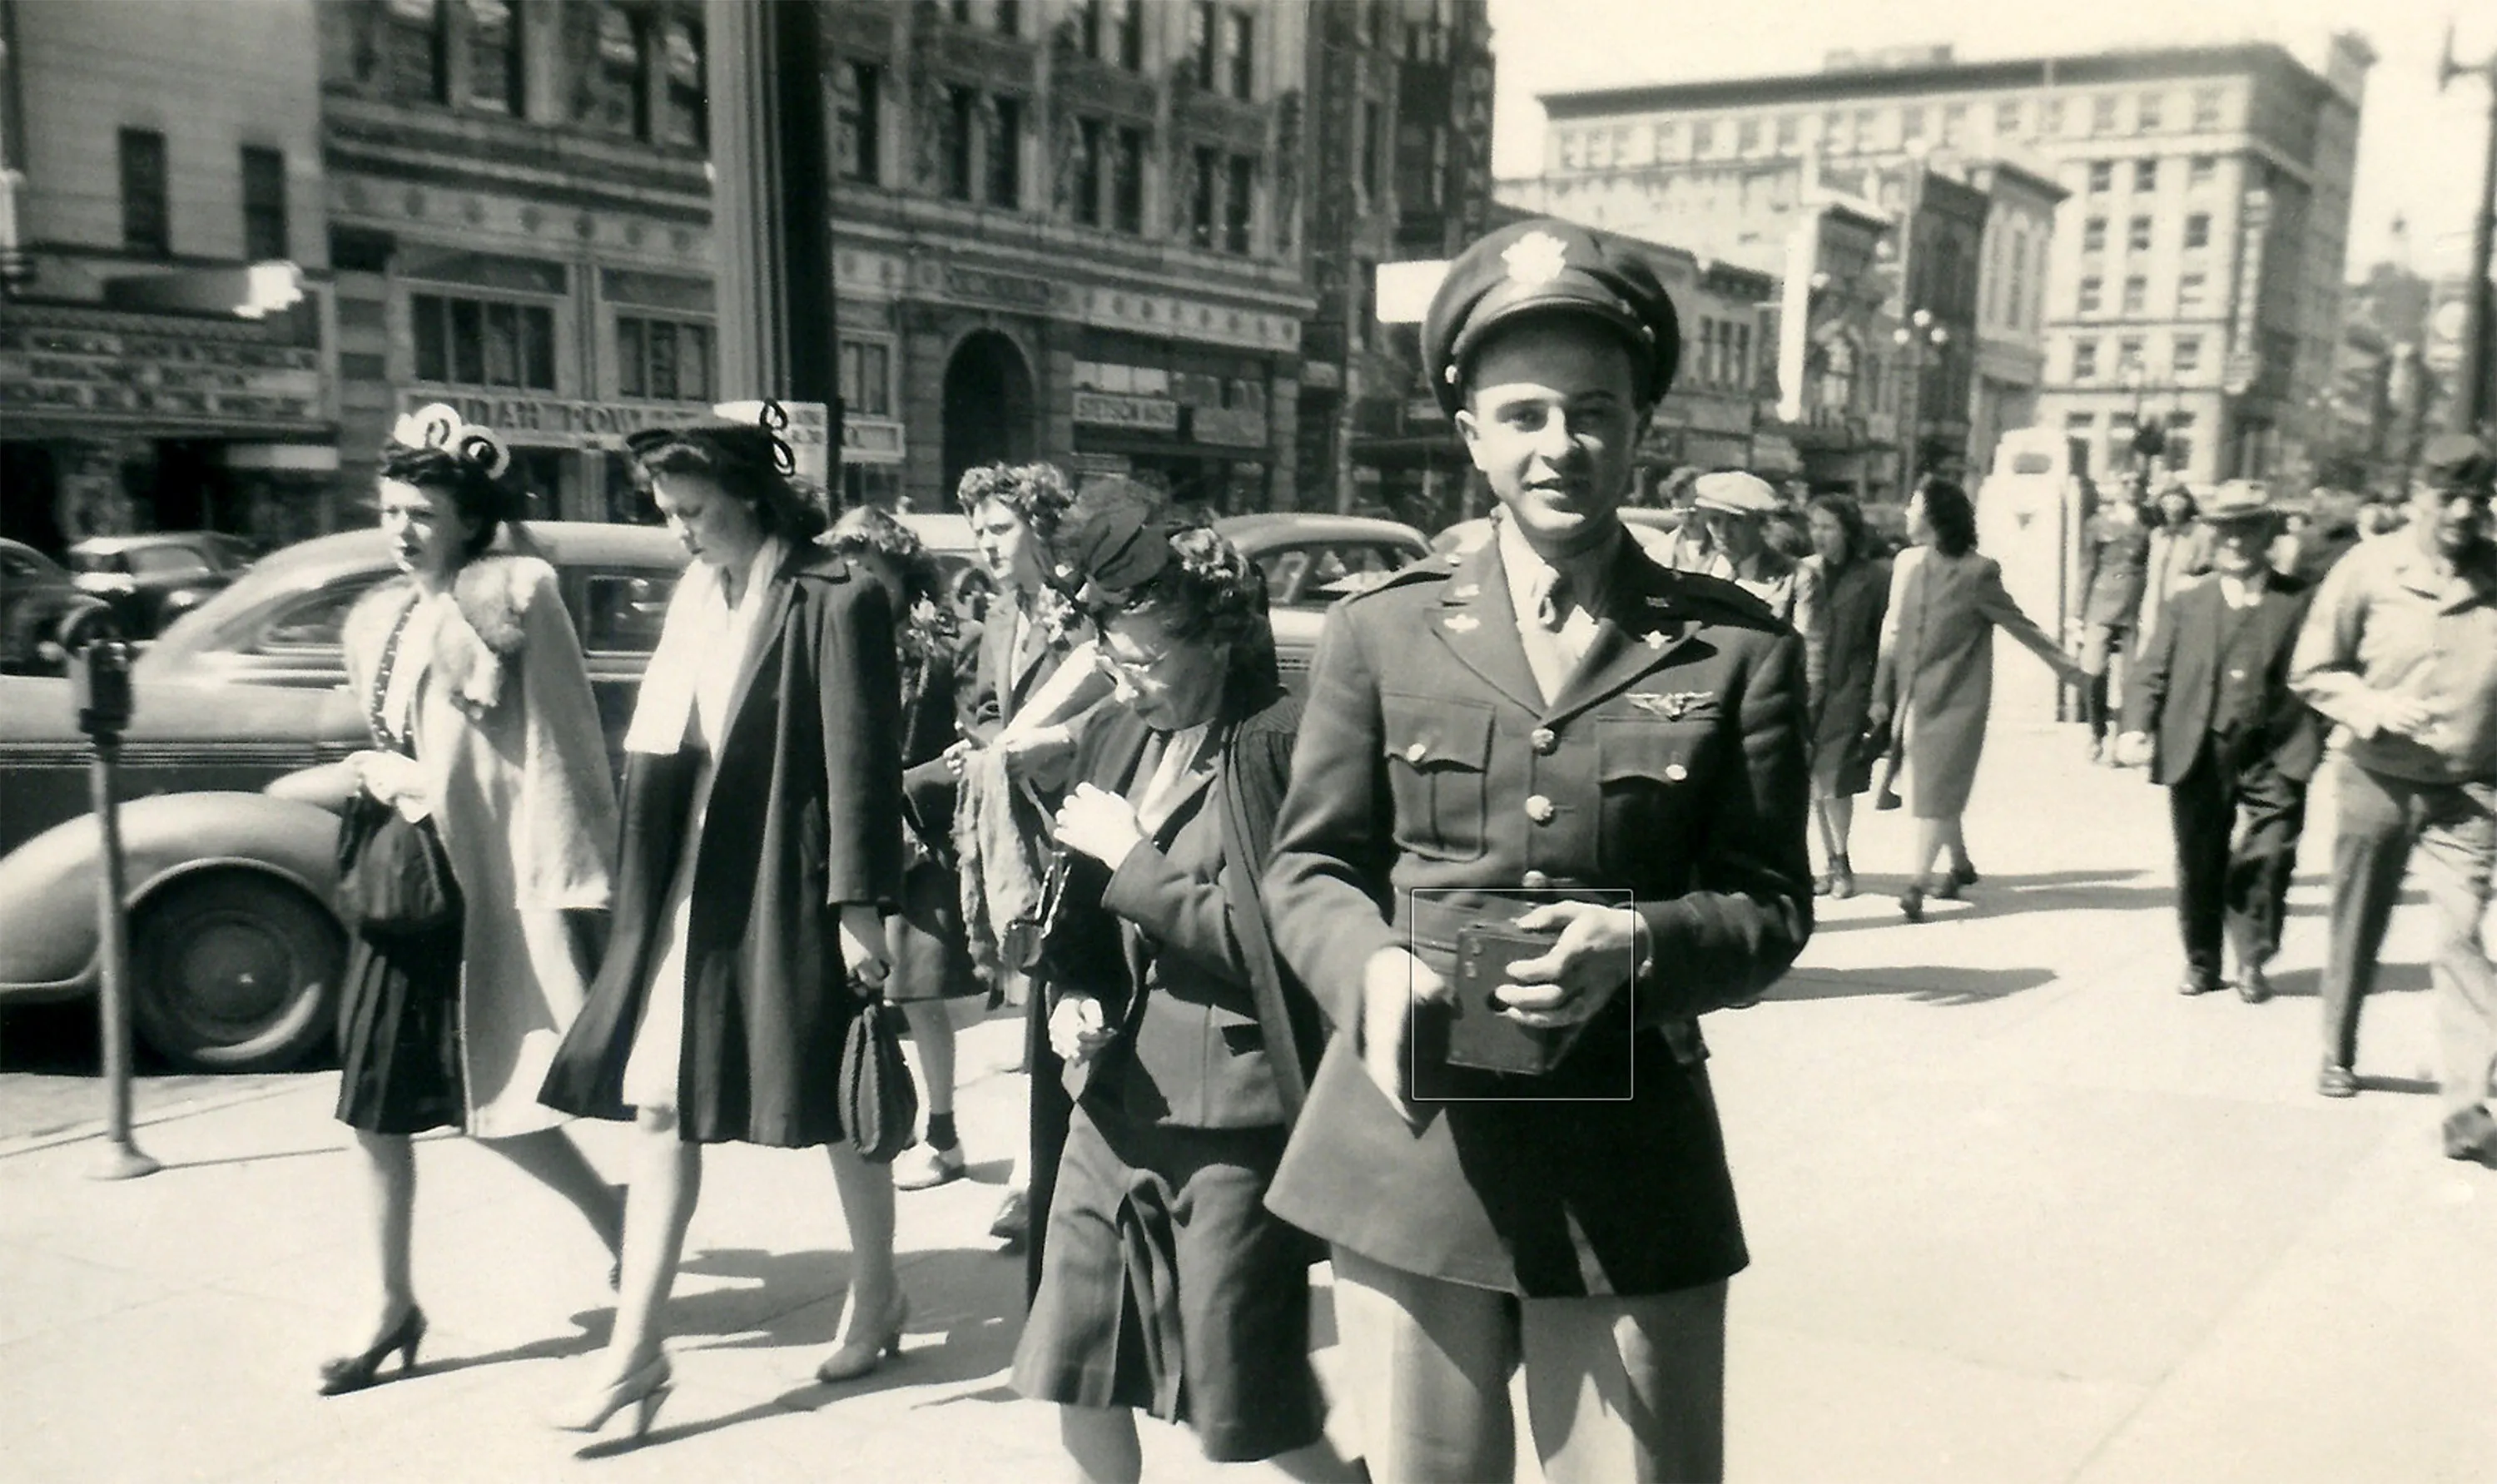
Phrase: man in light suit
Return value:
(2210, 703)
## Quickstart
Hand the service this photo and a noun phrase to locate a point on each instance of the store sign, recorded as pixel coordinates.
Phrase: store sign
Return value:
(1238, 427)
(1143, 414)
(126, 376)
(867, 440)
(553, 422)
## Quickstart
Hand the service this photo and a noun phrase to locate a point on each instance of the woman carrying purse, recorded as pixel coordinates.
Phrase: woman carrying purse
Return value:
(481, 817)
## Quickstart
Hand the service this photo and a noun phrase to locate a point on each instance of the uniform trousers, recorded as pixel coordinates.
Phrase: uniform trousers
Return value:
(2450, 831)
(1618, 1390)
(2237, 821)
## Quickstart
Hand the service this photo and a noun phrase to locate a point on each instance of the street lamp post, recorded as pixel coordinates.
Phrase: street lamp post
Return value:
(1913, 338)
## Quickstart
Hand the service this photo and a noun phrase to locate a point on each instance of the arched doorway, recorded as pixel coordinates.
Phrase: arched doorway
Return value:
(988, 405)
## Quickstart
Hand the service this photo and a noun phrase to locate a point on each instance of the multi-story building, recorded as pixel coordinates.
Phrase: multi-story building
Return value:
(519, 225)
(1400, 170)
(1072, 230)
(2196, 260)
(151, 153)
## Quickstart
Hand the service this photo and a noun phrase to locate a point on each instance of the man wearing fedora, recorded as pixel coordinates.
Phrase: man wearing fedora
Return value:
(1601, 760)
(2210, 704)
(2401, 651)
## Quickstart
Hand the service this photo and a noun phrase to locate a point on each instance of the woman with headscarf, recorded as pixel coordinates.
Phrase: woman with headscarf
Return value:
(749, 935)
(487, 740)
(1855, 588)
(1935, 675)
(1165, 1283)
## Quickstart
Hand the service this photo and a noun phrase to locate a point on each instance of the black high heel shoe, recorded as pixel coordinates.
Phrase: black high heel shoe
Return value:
(1912, 902)
(355, 1373)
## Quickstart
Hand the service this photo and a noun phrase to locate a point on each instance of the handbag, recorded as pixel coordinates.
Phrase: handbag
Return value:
(879, 1103)
(393, 875)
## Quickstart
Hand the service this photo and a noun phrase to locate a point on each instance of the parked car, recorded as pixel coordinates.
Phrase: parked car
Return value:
(1313, 559)
(152, 580)
(36, 594)
(236, 951)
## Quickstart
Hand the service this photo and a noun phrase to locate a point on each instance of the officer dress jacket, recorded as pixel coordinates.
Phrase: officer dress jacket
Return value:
(1671, 764)
(805, 816)
(2174, 694)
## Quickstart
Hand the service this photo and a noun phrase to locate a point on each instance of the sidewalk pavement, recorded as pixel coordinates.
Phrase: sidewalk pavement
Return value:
(2017, 1212)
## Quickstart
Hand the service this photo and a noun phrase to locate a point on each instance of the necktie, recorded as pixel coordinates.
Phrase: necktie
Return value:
(1552, 601)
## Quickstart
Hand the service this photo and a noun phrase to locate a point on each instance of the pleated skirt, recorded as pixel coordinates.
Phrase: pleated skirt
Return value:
(401, 1069)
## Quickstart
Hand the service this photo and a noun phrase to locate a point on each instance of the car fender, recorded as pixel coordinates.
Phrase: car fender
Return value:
(48, 937)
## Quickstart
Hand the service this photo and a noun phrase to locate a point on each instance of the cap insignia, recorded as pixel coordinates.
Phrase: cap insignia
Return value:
(1536, 258)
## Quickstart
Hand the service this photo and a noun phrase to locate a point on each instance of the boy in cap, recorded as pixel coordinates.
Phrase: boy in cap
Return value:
(2401, 651)
(2210, 708)
(1557, 735)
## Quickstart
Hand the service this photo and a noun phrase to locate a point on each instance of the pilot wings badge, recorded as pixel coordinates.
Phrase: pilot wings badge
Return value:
(1671, 705)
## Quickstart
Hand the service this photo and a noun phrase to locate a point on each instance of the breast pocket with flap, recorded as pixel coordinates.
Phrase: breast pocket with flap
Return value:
(1438, 760)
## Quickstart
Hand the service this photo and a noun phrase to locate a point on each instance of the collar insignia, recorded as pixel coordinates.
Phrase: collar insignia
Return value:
(1654, 639)
(1672, 705)
(1462, 623)
(1536, 258)
(1660, 600)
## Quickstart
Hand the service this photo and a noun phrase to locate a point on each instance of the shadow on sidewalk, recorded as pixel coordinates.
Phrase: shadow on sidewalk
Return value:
(1931, 985)
(2390, 979)
(2054, 890)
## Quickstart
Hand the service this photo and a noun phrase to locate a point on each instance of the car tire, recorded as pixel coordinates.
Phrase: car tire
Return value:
(235, 972)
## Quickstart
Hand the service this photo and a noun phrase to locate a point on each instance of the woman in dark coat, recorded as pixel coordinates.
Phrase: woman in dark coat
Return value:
(748, 937)
(1165, 1285)
(1855, 585)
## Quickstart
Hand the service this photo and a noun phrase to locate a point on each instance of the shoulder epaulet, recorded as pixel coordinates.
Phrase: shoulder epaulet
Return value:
(1717, 600)
(1437, 567)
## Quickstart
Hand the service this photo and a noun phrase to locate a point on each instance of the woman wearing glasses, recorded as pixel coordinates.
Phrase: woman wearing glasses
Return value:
(747, 936)
(1165, 1285)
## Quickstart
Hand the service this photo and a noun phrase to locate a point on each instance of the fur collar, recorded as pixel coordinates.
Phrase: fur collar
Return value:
(490, 597)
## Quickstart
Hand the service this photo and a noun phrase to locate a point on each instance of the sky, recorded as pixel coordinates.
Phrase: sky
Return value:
(2417, 148)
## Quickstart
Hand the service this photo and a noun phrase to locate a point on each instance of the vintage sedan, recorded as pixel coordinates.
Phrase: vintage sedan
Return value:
(154, 578)
(236, 951)
(36, 594)
(1312, 559)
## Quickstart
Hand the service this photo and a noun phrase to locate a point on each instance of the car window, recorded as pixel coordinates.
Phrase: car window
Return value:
(1316, 575)
(95, 562)
(624, 610)
(314, 621)
(167, 561)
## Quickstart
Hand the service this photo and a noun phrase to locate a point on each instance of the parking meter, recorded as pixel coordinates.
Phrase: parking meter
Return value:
(100, 689)
(100, 686)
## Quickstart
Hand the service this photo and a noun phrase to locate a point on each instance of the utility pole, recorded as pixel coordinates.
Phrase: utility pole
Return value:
(772, 208)
(2472, 401)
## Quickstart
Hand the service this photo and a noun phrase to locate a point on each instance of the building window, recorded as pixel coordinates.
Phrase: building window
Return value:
(2149, 111)
(147, 217)
(664, 358)
(2197, 230)
(1238, 196)
(2050, 118)
(1954, 125)
(2128, 356)
(2080, 424)
(1747, 137)
(2101, 177)
(2094, 234)
(2180, 439)
(2102, 115)
(263, 204)
(1668, 141)
(474, 342)
(2085, 360)
(2136, 235)
(1010, 17)
(2193, 294)
(1092, 136)
(1868, 129)
(960, 12)
(609, 94)
(2020, 295)
(2188, 356)
(1833, 133)
(1421, 159)
(2092, 289)
(2006, 118)
(1127, 182)
(2146, 174)
(413, 53)
(1373, 146)
(2206, 109)
(1005, 152)
(685, 105)
(1200, 213)
(1127, 34)
(1789, 134)
(1089, 33)
(867, 378)
(1703, 137)
(954, 141)
(2136, 295)
(493, 56)
(1599, 149)
(1365, 307)
(2200, 172)
(858, 141)
(1240, 53)
(1202, 25)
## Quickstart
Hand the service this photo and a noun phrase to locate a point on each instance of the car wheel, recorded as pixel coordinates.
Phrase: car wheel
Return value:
(235, 972)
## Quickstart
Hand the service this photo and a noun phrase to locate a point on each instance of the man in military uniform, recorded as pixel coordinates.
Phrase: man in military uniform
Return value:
(1531, 734)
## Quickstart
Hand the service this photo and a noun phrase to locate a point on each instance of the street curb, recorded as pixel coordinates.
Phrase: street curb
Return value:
(30, 1143)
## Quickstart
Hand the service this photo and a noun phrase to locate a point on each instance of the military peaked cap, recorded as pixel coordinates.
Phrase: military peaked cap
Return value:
(2456, 461)
(1549, 264)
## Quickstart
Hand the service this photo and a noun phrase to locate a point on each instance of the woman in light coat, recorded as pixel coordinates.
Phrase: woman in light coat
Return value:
(486, 729)
(1935, 675)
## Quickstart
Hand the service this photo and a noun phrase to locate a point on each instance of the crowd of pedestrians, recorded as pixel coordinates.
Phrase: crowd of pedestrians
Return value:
(1406, 975)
